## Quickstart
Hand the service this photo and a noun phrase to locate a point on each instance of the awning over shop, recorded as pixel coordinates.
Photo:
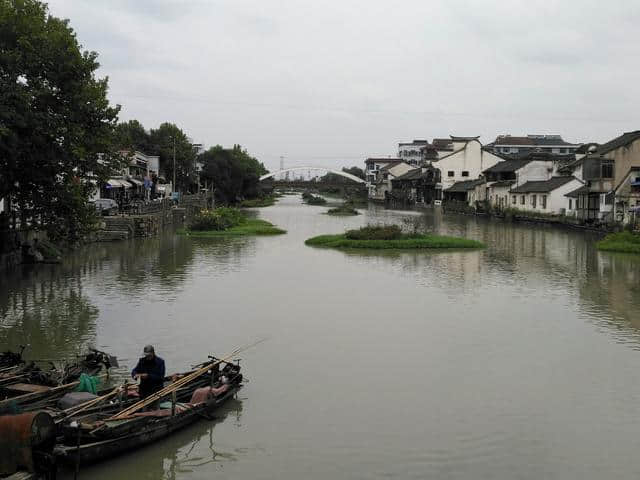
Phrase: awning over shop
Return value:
(113, 183)
(135, 182)
(125, 184)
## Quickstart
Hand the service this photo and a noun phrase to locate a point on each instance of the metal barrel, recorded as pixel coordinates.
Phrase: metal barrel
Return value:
(21, 436)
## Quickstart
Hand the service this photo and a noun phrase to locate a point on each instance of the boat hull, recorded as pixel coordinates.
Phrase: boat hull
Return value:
(90, 453)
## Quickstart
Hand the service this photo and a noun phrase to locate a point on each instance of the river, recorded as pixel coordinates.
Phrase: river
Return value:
(521, 360)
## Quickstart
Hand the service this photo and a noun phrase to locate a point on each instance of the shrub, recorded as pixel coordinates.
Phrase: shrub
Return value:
(218, 219)
(313, 199)
(375, 232)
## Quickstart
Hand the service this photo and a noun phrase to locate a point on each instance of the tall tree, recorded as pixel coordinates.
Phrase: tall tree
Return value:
(161, 142)
(131, 135)
(56, 124)
(234, 173)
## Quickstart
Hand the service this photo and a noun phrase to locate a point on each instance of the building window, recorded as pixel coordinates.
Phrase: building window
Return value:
(533, 201)
(465, 173)
(563, 150)
(543, 201)
(513, 199)
(606, 169)
(521, 199)
(570, 204)
(450, 173)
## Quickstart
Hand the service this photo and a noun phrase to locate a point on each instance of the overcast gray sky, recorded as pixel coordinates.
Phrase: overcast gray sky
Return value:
(330, 83)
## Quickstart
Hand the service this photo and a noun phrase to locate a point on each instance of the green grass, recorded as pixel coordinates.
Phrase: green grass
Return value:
(343, 210)
(260, 202)
(407, 242)
(625, 242)
(251, 226)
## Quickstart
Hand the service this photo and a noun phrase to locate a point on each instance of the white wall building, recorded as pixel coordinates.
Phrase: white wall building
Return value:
(466, 162)
(548, 196)
(514, 145)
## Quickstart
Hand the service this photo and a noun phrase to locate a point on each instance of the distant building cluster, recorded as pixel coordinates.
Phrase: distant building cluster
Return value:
(542, 174)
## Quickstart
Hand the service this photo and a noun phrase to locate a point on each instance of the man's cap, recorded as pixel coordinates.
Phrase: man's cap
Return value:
(149, 349)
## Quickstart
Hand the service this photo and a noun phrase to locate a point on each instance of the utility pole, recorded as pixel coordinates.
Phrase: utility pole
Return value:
(174, 163)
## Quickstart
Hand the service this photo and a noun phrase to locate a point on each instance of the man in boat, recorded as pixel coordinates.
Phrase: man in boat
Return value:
(150, 370)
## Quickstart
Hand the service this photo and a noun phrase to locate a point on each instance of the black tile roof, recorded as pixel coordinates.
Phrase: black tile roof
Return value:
(414, 174)
(465, 186)
(503, 183)
(531, 140)
(542, 186)
(583, 190)
(508, 166)
(621, 141)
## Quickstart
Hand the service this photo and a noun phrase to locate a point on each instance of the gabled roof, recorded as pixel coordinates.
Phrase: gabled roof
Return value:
(465, 186)
(503, 183)
(583, 190)
(543, 186)
(624, 179)
(442, 143)
(531, 140)
(621, 141)
(507, 166)
(414, 174)
(463, 139)
(383, 159)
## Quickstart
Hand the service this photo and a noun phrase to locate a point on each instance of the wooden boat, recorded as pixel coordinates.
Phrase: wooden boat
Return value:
(95, 437)
(31, 388)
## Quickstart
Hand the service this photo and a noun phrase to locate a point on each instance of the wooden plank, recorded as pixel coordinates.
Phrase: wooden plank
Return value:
(21, 388)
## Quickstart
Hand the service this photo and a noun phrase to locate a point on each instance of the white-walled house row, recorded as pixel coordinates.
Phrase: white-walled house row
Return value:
(546, 196)
(466, 162)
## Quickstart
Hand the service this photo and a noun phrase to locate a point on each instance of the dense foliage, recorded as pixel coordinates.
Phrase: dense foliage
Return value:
(221, 218)
(56, 124)
(234, 174)
(375, 232)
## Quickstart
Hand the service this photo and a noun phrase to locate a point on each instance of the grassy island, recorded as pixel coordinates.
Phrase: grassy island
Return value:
(625, 242)
(343, 210)
(390, 237)
(227, 221)
(267, 201)
(311, 199)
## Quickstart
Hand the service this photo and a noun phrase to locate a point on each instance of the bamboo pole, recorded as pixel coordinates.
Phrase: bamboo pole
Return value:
(179, 383)
(83, 406)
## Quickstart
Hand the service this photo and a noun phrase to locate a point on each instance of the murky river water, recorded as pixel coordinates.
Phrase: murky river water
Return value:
(518, 361)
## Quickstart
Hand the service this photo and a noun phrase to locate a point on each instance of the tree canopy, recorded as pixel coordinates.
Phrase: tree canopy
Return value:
(234, 173)
(56, 124)
(161, 143)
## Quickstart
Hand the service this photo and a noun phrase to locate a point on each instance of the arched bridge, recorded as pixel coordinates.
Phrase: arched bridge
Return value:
(329, 170)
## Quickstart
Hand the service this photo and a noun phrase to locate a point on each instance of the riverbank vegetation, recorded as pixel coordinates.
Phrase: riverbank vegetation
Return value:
(311, 199)
(625, 242)
(228, 221)
(57, 124)
(390, 237)
(265, 201)
(346, 209)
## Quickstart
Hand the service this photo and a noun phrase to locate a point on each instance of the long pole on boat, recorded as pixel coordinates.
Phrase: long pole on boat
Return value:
(178, 383)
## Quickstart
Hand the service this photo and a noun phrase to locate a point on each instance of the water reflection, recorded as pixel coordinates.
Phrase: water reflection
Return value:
(55, 309)
(525, 260)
